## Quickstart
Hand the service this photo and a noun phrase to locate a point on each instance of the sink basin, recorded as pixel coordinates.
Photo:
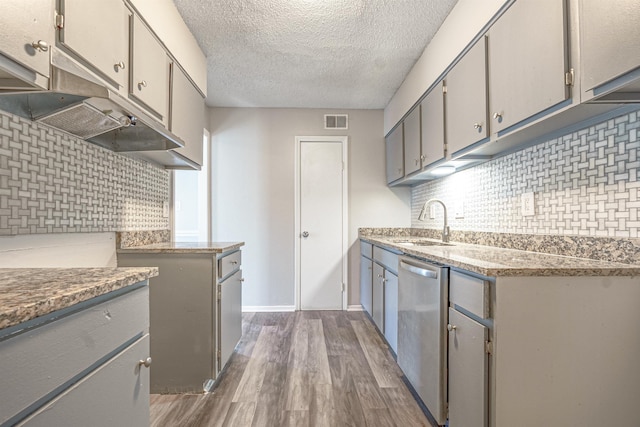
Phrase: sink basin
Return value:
(422, 243)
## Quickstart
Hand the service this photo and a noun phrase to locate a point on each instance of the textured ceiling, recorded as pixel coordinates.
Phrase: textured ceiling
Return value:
(310, 53)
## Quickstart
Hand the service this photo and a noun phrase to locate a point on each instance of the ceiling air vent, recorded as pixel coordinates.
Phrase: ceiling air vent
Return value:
(336, 121)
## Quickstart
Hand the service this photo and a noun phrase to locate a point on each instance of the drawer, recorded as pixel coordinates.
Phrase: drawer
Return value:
(470, 293)
(229, 263)
(120, 383)
(37, 362)
(366, 249)
(386, 258)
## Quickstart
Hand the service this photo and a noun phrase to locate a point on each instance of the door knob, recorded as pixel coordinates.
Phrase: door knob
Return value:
(305, 234)
(145, 362)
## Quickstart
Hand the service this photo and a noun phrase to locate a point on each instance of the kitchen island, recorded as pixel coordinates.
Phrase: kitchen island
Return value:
(74, 346)
(532, 338)
(196, 310)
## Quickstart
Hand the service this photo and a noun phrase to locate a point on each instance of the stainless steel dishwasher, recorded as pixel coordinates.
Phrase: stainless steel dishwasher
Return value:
(423, 295)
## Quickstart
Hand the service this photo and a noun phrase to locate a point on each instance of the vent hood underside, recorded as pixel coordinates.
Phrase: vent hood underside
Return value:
(80, 104)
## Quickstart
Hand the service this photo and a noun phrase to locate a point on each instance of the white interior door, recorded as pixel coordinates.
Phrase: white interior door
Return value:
(321, 227)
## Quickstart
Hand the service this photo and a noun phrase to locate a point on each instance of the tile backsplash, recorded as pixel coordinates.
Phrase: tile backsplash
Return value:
(585, 184)
(51, 182)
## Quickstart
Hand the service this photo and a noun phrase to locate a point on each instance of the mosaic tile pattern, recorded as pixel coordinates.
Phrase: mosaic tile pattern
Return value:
(585, 184)
(51, 182)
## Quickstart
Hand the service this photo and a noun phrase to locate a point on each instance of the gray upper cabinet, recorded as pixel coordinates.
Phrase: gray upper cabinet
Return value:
(27, 32)
(433, 126)
(98, 35)
(187, 115)
(395, 155)
(527, 61)
(149, 70)
(466, 100)
(609, 40)
(412, 142)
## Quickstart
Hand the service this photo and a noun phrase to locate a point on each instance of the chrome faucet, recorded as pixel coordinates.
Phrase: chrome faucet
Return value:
(423, 215)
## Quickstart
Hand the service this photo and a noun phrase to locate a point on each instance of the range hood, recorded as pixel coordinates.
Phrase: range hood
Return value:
(80, 104)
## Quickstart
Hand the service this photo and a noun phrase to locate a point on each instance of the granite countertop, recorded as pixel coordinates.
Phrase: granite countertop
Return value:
(494, 262)
(27, 293)
(183, 247)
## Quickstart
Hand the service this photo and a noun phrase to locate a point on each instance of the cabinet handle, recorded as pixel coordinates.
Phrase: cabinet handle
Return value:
(146, 362)
(497, 116)
(451, 327)
(142, 84)
(380, 276)
(423, 157)
(478, 126)
(417, 162)
(234, 262)
(119, 65)
(242, 279)
(40, 45)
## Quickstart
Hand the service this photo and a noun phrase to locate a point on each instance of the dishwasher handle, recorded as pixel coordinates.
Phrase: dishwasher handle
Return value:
(421, 270)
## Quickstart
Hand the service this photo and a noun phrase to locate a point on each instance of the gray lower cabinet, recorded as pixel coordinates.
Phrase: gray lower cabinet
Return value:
(195, 296)
(80, 366)
(395, 154)
(468, 372)
(230, 318)
(609, 40)
(527, 61)
(115, 394)
(366, 283)
(391, 309)
(377, 307)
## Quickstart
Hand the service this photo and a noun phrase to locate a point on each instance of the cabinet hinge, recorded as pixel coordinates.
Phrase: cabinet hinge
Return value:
(343, 287)
(219, 357)
(488, 347)
(569, 77)
(219, 295)
(444, 89)
(59, 21)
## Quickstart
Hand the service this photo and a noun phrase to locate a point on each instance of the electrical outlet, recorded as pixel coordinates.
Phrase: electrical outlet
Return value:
(459, 209)
(432, 212)
(165, 209)
(528, 204)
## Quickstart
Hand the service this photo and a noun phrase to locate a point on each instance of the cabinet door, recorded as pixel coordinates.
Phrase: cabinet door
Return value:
(412, 142)
(610, 40)
(466, 100)
(468, 372)
(149, 70)
(366, 281)
(99, 34)
(25, 23)
(187, 115)
(377, 298)
(395, 156)
(230, 316)
(115, 394)
(527, 61)
(391, 310)
(433, 126)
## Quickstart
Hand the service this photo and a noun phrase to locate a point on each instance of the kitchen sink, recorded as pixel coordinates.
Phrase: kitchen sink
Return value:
(421, 243)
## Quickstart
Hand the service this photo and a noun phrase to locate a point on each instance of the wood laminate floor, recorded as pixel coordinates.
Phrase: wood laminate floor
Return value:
(310, 368)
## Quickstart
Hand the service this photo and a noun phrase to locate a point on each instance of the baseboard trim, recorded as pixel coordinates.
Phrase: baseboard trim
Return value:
(267, 308)
(356, 307)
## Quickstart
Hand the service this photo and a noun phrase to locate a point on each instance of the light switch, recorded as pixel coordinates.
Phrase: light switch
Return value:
(165, 209)
(459, 209)
(528, 204)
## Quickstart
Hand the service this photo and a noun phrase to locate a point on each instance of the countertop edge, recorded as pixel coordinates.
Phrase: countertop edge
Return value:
(615, 269)
(122, 277)
(165, 248)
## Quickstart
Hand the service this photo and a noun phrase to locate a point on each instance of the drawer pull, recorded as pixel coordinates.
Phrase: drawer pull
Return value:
(234, 262)
(451, 327)
(146, 362)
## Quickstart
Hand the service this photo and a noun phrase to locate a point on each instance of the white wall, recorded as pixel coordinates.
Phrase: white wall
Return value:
(464, 22)
(253, 186)
(165, 20)
(58, 250)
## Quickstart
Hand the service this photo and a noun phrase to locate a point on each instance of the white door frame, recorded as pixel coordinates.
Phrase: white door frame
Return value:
(345, 211)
